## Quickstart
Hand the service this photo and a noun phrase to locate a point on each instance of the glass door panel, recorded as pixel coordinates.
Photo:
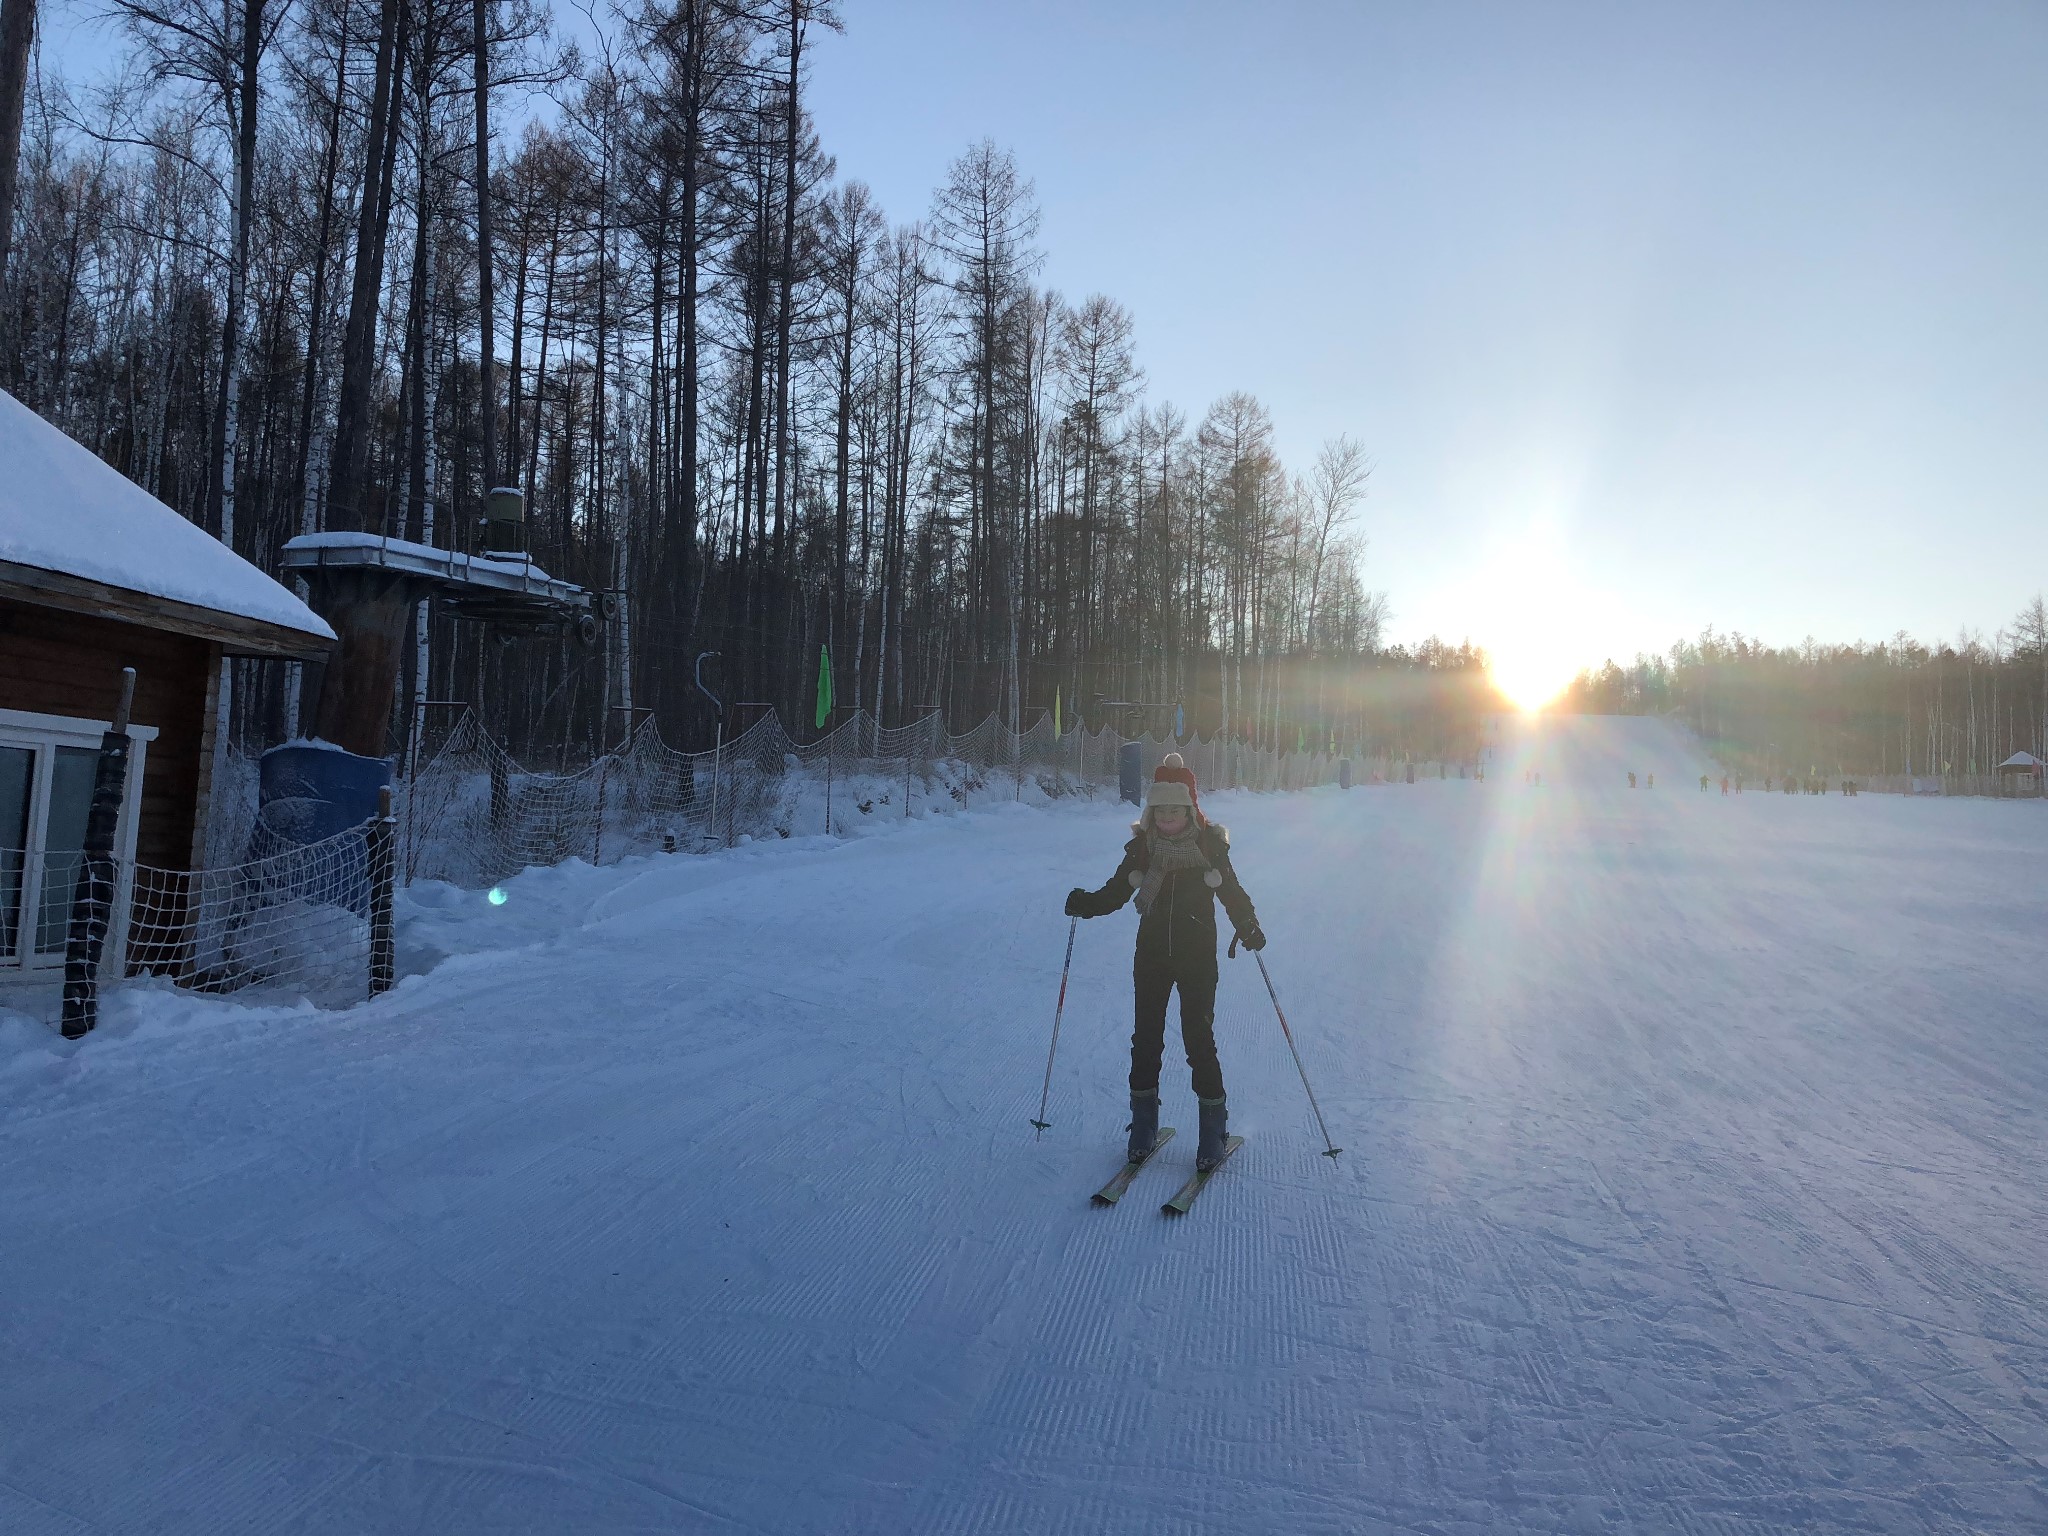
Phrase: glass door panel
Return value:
(71, 775)
(17, 781)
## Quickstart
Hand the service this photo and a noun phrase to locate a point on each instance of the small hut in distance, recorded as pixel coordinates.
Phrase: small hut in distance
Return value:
(2021, 774)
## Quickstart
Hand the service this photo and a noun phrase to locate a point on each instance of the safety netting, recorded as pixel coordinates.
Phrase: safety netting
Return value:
(272, 918)
(289, 920)
(473, 815)
(285, 921)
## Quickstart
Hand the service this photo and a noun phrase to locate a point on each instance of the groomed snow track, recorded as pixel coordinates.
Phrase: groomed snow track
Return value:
(1694, 1182)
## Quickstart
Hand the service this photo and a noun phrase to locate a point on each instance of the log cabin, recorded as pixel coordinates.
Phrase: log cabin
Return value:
(96, 575)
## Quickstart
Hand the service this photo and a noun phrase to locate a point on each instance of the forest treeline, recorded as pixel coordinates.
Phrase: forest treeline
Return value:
(285, 275)
(1896, 707)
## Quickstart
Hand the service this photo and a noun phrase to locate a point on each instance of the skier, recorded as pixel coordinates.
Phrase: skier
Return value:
(1631, 781)
(1176, 864)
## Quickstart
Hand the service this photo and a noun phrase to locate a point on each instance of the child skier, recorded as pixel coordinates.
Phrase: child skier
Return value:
(1176, 864)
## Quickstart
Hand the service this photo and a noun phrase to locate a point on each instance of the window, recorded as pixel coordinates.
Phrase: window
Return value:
(47, 767)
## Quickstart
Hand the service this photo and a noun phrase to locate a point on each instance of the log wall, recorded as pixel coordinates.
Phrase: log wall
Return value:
(57, 663)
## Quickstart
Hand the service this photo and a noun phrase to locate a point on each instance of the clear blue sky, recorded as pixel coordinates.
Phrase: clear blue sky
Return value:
(1650, 315)
(1712, 313)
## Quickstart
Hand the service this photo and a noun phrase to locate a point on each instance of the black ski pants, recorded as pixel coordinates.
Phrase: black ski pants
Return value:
(1155, 977)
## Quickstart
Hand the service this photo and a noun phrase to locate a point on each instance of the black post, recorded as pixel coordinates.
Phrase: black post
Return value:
(383, 873)
(92, 900)
(501, 790)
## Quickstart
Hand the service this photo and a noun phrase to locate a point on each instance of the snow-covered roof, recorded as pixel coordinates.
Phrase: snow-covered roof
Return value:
(507, 588)
(66, 512)
(2021, 760)
(515, 569)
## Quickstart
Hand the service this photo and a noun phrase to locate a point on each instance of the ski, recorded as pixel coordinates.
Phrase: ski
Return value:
(1113, 1191)
(1178, 1205)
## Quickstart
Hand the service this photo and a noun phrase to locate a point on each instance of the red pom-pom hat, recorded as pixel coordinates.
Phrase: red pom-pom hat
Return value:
(1173, 769)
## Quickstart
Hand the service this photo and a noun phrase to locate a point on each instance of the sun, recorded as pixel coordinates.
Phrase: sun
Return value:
(1538, 613)
(1529, 673)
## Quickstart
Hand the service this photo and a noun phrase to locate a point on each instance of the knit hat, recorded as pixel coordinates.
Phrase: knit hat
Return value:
(1168, 792)
(1173, 769)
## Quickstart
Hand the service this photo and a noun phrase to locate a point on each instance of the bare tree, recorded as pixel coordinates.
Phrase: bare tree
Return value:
(17, 40)
(1336, 487)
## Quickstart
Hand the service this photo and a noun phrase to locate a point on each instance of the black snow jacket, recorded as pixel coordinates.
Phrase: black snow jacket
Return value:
(1182, 922)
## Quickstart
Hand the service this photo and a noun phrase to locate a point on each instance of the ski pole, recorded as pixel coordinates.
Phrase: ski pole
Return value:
(1045, 1093)
(1281, 1014)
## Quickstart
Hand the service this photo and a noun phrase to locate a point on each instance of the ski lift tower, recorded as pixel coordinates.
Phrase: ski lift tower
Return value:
(367, 587)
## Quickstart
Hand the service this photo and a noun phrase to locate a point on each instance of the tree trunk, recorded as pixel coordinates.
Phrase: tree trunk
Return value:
(350, 460)
(486, 298)
(17, 38)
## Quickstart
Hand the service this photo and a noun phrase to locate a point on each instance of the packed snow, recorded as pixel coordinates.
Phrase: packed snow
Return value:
(1693, 1181)
(64, 509)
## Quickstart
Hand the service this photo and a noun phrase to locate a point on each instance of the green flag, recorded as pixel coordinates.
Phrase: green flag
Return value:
(824, 686)
(1056, 714)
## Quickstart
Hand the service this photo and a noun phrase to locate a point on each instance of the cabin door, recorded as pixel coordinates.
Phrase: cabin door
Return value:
(47, 766)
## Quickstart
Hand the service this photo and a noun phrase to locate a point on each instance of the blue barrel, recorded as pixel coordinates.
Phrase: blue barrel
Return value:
(1130, 772)
(308, 794)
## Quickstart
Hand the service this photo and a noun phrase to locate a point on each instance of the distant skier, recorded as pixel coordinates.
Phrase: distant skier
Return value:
(1724, 783)
(1177, 864)
(1703, 783)
(1631, 781)
(1651, 782)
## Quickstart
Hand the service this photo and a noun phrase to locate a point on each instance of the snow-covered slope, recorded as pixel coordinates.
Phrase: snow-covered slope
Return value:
(1599, 752)
(64, 509)
(1694, 1182)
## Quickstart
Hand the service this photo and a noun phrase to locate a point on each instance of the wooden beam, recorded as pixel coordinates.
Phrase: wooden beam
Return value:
(236, 634)
(202, 810)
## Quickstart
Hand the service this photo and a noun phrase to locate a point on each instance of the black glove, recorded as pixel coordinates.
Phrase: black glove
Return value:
(1253, 938)
(1077, 901)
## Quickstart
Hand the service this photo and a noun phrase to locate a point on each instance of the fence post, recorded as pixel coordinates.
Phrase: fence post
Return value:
(717, 766)
(501, 784)
(92, 899)
(383, 873)
(597, 838)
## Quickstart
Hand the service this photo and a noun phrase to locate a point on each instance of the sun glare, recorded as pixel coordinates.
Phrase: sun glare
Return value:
(1539, 611)
(1527, 678)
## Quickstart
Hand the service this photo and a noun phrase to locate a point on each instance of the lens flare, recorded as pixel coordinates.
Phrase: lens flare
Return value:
(497, 896)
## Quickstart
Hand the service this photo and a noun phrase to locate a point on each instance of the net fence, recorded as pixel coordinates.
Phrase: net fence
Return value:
(270, 918)
(285, 923)
(289, 921)
(473, 815)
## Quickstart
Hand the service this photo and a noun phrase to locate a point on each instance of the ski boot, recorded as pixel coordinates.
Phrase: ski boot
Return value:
(1144, 1125)
(1215, 1115)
